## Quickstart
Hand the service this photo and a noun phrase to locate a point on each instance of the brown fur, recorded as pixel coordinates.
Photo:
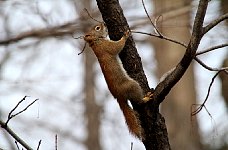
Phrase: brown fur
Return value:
(119, 83)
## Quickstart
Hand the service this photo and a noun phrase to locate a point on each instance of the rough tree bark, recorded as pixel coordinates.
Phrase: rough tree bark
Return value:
(156, 136)
(151, 120)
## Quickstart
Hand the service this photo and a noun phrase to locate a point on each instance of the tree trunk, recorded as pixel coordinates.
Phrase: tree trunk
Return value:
(156, 136)
(183, 132)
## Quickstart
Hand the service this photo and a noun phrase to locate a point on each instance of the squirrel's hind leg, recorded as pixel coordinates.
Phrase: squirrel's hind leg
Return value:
(133, 92)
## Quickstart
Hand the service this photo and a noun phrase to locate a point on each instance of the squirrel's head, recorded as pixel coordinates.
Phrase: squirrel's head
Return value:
(98, 31)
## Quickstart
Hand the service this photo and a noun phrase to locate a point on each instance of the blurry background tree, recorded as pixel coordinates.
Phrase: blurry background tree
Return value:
(224, 78)
(74, 102)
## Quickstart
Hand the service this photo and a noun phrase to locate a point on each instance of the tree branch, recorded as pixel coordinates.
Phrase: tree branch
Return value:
(161, 36)
(214, 23)
(38, 147)
(164, 87)
(65, 29)
(14, 135)
(5, 126)
(208, 93)
(211, 49)
(10, 116)
(155, 28)
(225, 69)
(156, 136)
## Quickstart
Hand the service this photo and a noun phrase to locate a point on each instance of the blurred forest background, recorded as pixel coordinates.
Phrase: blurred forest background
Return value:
(39, 58)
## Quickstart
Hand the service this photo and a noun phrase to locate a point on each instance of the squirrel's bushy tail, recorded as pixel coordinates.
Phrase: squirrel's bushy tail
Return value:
(131, 118)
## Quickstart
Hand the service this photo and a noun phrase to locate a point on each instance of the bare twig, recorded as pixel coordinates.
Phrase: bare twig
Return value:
(10, 113)
(24, 108)
(38, 147)
(17, 145)
(5, 126)
(214, 23)
(155, 28)
(15, 136)
(225, 69)
(164, 87)
(211, 49)
(157, 19)
(65, 29)
(10, 116)
(185, 45)
(56, 142)
(199, 105)
(82, 49)
(131, 145)
(168, 15)
(162, 37)
(91, 16)
(208, 93)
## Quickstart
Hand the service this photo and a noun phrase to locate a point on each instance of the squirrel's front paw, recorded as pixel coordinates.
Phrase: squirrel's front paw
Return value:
(148, 97)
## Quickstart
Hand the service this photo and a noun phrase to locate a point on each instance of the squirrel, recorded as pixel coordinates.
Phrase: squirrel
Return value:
(121, 86)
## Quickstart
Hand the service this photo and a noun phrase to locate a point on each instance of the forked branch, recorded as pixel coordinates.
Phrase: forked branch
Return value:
(205, 100)
(14, 135)
(164, 87)
(5, 126)
(198, 32)
(214, 23)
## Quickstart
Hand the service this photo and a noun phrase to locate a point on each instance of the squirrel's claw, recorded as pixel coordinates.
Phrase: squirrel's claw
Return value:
(147, 97)
(127, 33)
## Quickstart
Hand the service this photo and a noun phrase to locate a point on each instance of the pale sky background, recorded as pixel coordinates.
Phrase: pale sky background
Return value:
(56, 74)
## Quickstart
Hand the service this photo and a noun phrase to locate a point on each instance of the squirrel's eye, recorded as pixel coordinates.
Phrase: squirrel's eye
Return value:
(97, 28)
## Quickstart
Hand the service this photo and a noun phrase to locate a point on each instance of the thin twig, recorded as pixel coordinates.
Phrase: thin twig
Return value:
(65, 29)
(205, 100)
(56, 142)
(14, 135)
(91, 16)
(82, 49)
(162, 37)
(10, 113)
(156, 19)
(211, 49)
(38, 147)
(10, 116)
(5, 126)
(155, 28)
(24, 108)
(208, 111)
(131, 145)
(225, 69)
(214, 23)
(185, 45)
(17, 145)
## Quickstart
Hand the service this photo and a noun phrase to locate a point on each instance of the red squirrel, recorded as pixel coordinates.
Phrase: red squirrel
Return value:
(122, 87)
